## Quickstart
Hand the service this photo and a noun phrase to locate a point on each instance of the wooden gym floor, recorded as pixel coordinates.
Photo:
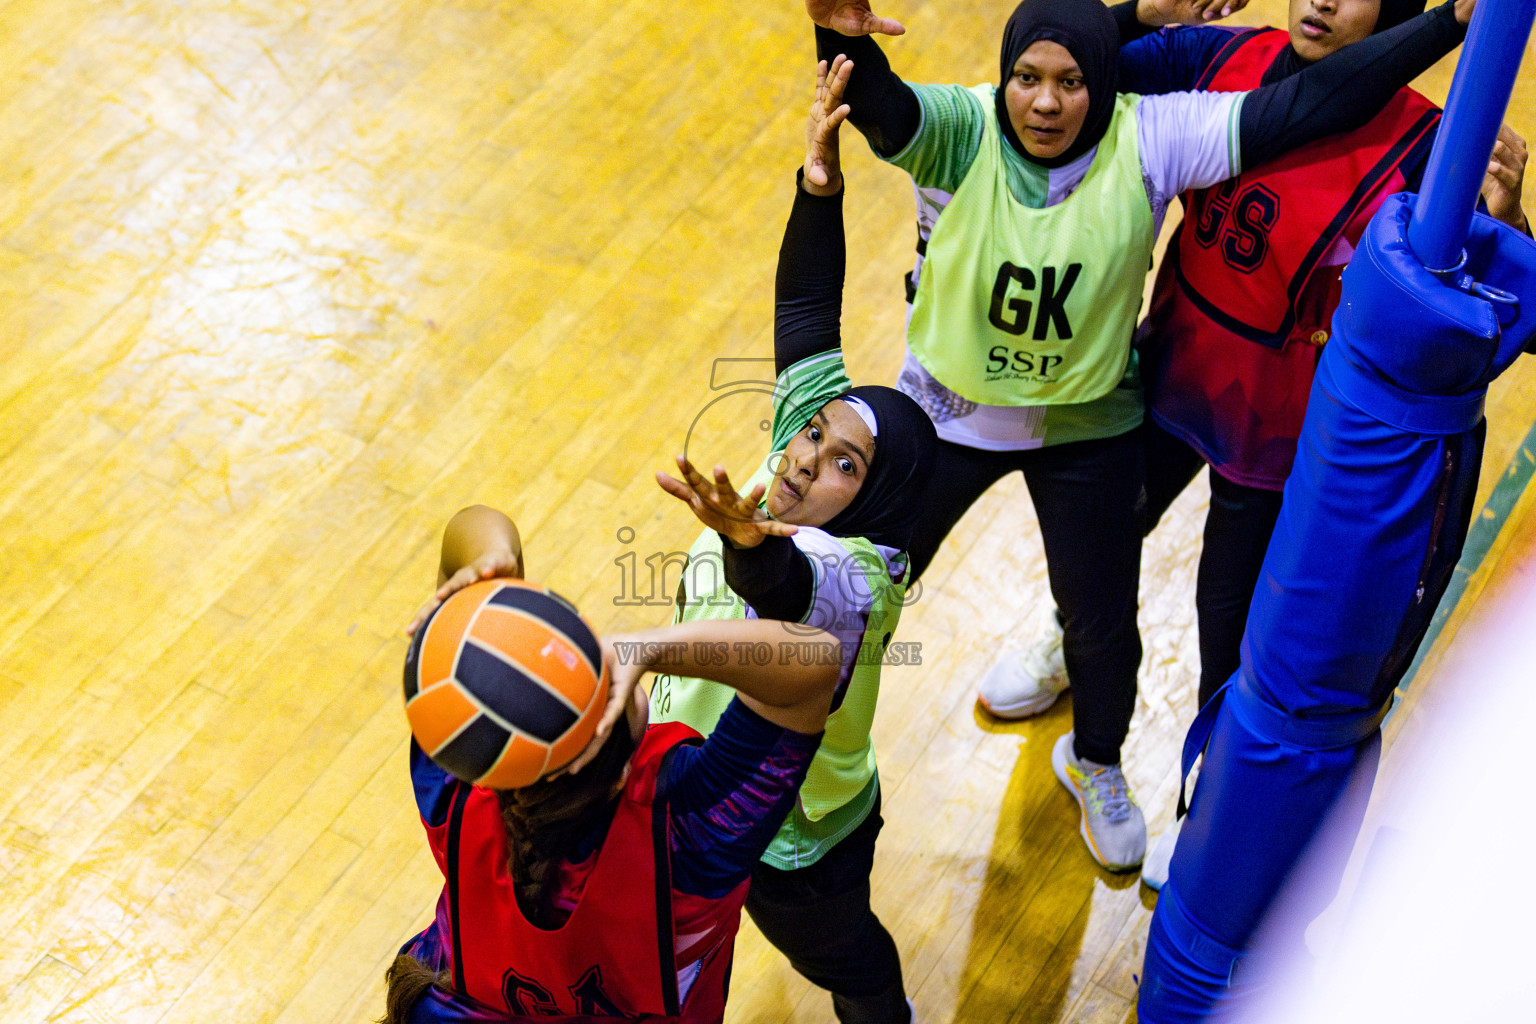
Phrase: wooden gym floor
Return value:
(282, 286)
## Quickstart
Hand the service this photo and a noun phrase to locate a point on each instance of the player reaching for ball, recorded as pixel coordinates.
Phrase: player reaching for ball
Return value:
(840, 500)
(611, 886)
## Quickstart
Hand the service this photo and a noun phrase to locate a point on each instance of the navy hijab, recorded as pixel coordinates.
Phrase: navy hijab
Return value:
(1087, 30)
(889, 502)
(1395, 12)
(1392, 13)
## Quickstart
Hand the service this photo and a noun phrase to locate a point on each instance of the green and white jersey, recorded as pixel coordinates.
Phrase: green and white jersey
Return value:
(1180, 141)
(858, 594)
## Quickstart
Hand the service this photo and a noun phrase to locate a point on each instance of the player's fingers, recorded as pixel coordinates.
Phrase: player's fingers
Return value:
(1503, 171)
(1508, 181)
(676, 488)
(421, 616)
(595, 744)
(584, 758)
(690, 474)
(702, 489)
(458, 581)
(723, 481)
(619, 686)
(492, 566)
(838, 82)
(1511, 153)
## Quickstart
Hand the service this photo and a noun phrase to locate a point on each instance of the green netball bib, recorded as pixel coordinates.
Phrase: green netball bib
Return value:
(1022, 306)
(846, 760)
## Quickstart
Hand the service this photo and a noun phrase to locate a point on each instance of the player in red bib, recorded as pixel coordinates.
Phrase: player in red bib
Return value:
(613, 887)
(1245, 297)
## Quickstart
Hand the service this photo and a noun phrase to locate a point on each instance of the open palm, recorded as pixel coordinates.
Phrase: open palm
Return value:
(823, 162)
(851, 18)
(720, 508)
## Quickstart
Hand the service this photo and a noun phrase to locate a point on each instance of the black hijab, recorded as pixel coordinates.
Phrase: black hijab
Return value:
(1087, 30)
(889, 502)
(1393, 13)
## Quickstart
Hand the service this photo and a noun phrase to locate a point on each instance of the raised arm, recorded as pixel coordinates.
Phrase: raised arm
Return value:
(767, 571)
(762, 565)
(1135, 18)
(881, 106)
(808, 288)
(1343, 91)
(1168, 61)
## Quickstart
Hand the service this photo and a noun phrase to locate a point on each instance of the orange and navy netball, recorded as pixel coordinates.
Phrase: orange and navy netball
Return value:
(504, 683)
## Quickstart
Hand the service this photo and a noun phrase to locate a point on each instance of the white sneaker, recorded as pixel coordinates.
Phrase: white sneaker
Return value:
(1024, 683)
(1112, 825)
(1154, 870)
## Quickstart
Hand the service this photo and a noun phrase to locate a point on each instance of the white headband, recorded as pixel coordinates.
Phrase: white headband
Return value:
(866, 414)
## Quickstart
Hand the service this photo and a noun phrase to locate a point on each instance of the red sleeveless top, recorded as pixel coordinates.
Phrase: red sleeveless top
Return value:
(615, 954)
(1246, 294)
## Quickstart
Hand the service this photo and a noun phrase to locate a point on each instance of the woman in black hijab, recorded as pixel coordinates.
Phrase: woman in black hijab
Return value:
(819, 539)
(1088, 34)
(1039, 200)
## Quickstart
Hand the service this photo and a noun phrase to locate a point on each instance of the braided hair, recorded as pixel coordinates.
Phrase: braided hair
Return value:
(544, 823)
(546, 820)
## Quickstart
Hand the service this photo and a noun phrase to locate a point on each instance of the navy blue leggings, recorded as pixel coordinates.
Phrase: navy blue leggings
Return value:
(819, 916)
(1237, 531)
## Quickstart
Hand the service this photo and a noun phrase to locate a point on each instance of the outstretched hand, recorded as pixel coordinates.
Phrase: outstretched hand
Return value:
(1158, 13)
(1505, 178)
(720, 508)
(823, 160)
(851, 18)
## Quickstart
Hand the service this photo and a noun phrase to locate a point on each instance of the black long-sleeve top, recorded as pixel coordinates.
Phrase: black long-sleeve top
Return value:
(776, 577)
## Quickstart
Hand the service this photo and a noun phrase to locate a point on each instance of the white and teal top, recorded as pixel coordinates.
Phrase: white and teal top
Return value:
(858, 595)
(1021, 310)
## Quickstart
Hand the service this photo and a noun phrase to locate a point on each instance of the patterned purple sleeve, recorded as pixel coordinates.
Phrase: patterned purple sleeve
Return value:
(728, 797)
(439, 1006)
(842, 596)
